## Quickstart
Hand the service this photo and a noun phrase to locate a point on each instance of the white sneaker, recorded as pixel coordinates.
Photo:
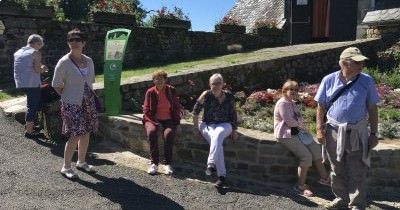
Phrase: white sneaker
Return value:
(69, 173)
(168, 169)
(153, 169)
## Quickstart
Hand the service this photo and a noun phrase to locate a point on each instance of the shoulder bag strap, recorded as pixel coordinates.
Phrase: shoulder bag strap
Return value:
(341, 91)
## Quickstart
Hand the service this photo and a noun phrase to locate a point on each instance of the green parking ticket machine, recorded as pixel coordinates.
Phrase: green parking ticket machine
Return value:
(114, 51)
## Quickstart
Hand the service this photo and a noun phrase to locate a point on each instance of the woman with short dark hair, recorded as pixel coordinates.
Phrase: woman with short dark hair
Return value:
(73, 78)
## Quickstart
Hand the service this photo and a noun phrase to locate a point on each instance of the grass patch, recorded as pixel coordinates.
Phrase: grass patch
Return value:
(182, 66)
(4, 96)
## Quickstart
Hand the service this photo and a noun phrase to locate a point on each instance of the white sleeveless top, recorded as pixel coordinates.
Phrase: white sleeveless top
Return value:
(25, 75)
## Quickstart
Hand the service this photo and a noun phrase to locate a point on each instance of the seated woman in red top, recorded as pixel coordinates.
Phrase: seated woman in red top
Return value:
(161, 107)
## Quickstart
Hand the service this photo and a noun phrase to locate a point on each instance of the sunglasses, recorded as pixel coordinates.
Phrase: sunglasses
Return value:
(75, 39)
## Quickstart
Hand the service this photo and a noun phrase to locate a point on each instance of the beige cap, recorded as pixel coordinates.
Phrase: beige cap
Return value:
(352, 53)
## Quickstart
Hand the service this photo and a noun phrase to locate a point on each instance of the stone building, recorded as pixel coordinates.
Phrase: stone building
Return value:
(307, 21)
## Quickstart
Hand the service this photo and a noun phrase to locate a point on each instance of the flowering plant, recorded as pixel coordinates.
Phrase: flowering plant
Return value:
(176, 13)
(115, 6)
(230, 21)
(267, 24)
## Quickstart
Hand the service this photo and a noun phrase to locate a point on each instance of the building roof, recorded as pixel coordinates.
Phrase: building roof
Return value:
(382, 16)
(251, 11)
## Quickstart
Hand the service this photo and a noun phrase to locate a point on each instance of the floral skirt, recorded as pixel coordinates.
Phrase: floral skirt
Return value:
(80, 119)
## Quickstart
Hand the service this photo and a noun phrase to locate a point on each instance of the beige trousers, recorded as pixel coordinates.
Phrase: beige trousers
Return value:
(348, 176)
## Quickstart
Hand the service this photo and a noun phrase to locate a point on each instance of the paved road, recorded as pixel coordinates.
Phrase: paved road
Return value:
(30, 179)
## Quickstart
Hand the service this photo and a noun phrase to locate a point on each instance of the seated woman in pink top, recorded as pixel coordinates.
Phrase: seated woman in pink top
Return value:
(161, 107)
(287, 120)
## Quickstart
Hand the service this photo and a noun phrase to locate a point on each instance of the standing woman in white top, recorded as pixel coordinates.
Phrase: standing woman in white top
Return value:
(27, 70)
(73, 78)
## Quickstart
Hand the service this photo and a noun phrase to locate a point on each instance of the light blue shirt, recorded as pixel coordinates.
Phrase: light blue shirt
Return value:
(25, 75)
(352, 105)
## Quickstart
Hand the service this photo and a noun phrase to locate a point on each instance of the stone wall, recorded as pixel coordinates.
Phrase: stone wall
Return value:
(384, 31)
(146, 45)
(268, 73)
(253, 159)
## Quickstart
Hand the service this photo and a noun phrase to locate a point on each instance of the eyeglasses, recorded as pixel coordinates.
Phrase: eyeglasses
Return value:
(77, 39)
(159, 79)
(358, 62)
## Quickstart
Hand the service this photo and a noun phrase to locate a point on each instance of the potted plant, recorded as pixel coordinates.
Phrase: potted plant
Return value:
(120, 12)
(266, 28)
(32, 8)
(175, 18)
(230, 25)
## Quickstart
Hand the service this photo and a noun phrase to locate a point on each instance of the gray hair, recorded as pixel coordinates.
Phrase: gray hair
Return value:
(342, 62)
(216, 76)
(35, 38)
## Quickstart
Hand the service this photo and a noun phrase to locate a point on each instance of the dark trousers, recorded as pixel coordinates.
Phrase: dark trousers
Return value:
(168, 136)
(32, 103)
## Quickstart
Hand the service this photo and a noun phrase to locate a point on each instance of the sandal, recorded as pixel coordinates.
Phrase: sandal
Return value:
(325, 182)
(32, 135)
(303, 190)
(85, 167)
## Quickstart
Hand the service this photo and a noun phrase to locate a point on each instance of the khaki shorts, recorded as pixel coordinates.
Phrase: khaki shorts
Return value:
(306, 153)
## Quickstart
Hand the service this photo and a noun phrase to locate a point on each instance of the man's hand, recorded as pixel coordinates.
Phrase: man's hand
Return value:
(372, 141)
(321, 136)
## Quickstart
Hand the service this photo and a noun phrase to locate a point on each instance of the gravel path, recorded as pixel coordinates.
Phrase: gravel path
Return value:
(30, 179)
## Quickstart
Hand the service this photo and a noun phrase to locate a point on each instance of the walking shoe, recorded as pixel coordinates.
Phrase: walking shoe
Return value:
(153, 169)
(210, 170)
(68, 173)
(33, 135)
(337, 203)
(168, 169)
(85, 167)
(303, 190)
(220, 182)
(326, 182)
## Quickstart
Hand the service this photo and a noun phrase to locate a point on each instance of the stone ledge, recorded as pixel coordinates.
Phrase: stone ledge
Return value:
(255, 157)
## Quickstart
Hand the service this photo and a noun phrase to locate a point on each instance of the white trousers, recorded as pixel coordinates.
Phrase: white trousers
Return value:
(215, 135)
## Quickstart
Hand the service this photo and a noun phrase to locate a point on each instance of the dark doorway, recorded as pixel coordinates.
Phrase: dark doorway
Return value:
(320, 20)
(300, 11)
(343, 20)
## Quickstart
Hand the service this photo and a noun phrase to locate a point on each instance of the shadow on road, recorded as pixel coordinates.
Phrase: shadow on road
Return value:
(129, 194)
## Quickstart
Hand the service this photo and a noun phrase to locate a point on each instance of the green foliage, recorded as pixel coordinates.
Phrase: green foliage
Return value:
(391, 78)
(58, 12)
(389, 59)
(75, 10)
(27, 4)
(389, 129)
(389, 114)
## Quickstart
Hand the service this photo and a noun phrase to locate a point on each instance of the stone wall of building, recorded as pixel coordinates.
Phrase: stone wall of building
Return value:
(146, 45)
(384, 31)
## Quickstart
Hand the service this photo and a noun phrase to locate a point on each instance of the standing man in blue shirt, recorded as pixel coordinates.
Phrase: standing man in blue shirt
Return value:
(345, 135)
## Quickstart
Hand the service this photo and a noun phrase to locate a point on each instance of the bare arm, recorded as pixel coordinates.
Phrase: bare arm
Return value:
(373, 121)
(320, 123)
(37, 63)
